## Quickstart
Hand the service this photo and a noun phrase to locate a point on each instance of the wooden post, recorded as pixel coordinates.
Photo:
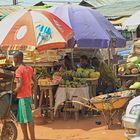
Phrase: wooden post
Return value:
(72, 57)
(51, 102)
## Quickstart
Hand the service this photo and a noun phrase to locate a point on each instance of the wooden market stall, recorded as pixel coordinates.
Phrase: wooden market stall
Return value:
(73, 85)
(44, 64)
(129, 71)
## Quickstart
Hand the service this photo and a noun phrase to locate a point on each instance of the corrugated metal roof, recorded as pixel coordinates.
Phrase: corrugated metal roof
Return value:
(48, 2)
(6, 10)
(84, 3)
(51, 3)
(99, 3)
(120, 9)
(95, 3)
(118, 21)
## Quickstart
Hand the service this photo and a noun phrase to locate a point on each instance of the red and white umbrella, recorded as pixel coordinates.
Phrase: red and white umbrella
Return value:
(37, 28)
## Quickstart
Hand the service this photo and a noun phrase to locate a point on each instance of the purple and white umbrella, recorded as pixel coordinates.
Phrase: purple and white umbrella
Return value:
(92, 30)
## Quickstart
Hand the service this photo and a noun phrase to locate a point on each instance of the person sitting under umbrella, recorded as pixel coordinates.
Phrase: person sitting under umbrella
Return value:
(107, 81)
(84, 62)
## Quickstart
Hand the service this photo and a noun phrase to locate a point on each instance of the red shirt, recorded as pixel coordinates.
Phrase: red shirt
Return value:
(25, 73)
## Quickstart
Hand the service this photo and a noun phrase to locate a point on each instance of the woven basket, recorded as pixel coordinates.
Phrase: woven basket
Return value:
(40, 120)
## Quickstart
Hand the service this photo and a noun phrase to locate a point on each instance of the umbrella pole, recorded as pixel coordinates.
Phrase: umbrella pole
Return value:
(72, 58)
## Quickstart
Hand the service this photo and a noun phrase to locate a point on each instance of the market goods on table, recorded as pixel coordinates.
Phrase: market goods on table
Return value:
(79, 73)
(136, 85)
(67, 78)
(78, 78)
(87, 73)
(49, 81)
(132, 67)
(45, 78)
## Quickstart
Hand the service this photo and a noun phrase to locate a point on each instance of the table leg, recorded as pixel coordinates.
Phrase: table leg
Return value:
(41, 98)
(34, 96)
(47, 99)
(90, 91)
(93, 90)
(51, 104)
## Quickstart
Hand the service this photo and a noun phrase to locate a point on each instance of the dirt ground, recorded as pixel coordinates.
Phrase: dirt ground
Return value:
(84, 129)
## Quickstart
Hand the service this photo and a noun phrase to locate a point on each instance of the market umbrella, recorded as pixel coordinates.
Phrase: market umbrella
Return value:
(132, 23)
(35, 28)
(92, 30)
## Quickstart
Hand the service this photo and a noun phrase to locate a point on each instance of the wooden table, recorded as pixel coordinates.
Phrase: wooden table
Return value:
(64, 94)
(43, 92)
(92, 84)
(125, 78)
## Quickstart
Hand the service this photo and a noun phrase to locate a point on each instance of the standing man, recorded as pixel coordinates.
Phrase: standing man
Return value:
(24, 75)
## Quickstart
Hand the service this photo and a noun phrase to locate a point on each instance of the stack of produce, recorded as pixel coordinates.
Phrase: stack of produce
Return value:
(47, 81)
(79, 73)
(75, 79)
(129, 68)
(136, 85)
(86, 73)
(44, 78)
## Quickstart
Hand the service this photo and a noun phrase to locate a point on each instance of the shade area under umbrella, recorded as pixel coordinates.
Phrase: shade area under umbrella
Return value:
(38, 28)
(92, 30)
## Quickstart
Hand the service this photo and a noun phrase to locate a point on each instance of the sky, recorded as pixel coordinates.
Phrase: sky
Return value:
(30, 2)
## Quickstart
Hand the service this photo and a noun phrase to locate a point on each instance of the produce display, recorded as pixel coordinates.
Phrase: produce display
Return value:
(44, 78)
(87, 73)
(129, 68)
(68, 78)
(79, 73)
(75, 79)
(48, 81)
(136, 85)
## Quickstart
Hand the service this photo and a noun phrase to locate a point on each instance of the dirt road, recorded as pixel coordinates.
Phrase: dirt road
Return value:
(84, 129)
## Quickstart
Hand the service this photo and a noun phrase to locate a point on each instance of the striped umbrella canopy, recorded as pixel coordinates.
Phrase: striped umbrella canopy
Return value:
(35, 28)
